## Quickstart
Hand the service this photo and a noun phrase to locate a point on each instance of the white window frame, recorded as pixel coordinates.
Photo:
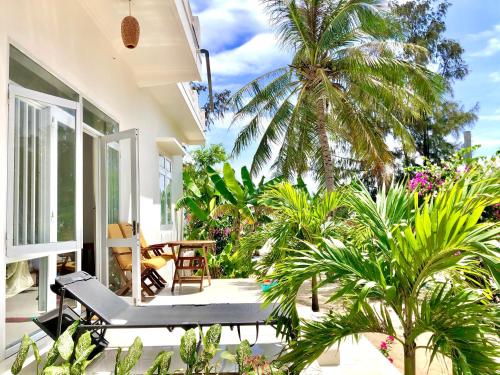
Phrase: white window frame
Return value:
(21, 251)
(167, 174)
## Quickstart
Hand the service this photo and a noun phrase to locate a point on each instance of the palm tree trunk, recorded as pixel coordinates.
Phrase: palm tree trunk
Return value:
(329, 180)
(410, 359)
(325, 146)
(315, 301)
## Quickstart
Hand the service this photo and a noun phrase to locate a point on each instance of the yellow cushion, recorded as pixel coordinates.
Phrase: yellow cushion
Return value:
(126, 229)
(155, 263)
(70, 265)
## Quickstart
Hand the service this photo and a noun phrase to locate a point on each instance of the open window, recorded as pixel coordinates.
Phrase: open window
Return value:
(42, 173)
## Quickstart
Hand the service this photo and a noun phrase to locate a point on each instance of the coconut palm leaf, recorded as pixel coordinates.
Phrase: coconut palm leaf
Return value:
(346, 82)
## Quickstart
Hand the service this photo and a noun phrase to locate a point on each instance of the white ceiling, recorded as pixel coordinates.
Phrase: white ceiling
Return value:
(167, 49)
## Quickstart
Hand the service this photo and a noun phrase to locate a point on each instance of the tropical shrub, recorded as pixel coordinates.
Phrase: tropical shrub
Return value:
(222, 208)
(249, 364)
(71, 359)
(66, 358)
(430, 177)
(124, 366)
(404, 267)
(296, 216)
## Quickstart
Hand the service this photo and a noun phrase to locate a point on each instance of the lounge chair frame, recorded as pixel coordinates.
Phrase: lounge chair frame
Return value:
(56, 321)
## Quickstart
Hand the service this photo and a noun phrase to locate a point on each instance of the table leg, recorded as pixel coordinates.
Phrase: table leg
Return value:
(205, 248)
(176, 260)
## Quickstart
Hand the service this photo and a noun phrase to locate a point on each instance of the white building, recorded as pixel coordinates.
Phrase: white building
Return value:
(71, 99)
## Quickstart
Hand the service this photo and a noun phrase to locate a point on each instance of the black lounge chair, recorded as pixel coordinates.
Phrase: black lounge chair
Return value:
(105, 310)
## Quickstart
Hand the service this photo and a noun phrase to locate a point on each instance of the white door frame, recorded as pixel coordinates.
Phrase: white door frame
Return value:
(133, 242)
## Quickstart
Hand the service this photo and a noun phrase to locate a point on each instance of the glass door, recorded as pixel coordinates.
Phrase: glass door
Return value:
(42, 207)
(120, 267)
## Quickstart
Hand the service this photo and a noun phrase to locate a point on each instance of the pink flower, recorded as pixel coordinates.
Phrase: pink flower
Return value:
(383, 345)
(458, 253)
(390, 359)
(390, 338)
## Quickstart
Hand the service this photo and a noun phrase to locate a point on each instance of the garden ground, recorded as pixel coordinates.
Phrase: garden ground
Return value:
(438, 367)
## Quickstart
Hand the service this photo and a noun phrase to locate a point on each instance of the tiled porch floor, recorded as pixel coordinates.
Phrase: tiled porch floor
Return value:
(360, 358)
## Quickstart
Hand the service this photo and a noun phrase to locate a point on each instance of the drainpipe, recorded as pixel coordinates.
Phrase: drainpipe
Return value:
(209, 77)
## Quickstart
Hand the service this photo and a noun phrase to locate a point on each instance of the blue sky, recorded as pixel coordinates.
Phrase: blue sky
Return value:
(242, 46)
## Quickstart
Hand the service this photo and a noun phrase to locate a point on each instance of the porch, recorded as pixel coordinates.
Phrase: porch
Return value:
(349, 359)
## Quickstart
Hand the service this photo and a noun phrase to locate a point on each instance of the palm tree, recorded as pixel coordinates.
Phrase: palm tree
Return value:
(406, 266)
(296, 216)
(346, 84)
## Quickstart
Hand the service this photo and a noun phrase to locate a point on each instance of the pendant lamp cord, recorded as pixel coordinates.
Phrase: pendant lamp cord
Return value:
(129, 8)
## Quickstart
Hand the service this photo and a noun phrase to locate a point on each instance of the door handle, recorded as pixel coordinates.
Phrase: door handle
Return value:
(135, 227)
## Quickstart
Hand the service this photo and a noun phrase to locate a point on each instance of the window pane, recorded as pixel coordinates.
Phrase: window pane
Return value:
(25, 72)
(44, 173)
(113, 185)
(66, 183)
(97, 119)
(165, 199)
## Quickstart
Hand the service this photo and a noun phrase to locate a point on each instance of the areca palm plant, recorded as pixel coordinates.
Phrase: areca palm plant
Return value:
(346, 85)
(406, 276)
(296, 216)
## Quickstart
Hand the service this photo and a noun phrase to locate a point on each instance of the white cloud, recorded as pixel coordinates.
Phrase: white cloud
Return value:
(492, 48)
(490, 117)
(487, 142)
(495, 76)
(257, 56)
(484, 34)
(227, 22)
(492, 39)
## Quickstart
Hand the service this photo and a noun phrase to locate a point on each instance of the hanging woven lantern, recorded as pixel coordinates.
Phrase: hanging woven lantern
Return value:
(130, 30)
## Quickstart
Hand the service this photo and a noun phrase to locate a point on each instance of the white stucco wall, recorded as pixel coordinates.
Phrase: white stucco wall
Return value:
(60, 36)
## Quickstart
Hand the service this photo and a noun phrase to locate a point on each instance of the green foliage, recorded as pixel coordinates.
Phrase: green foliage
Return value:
(210, 342)
(74, 357)
(225, 264)
(405, 269)
(161, 364)
(423, 23)
(220, 207)
(199, 362)
(63, 369)
(249, 364)
(208, 156)
(220, 104)
(295, 216)
(125, 365)
(188, 350)
(243, 353)
(22, 354)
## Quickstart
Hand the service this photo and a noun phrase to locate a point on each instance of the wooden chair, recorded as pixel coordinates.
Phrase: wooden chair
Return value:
(149, 266)
(65, 264)
(148, 251)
